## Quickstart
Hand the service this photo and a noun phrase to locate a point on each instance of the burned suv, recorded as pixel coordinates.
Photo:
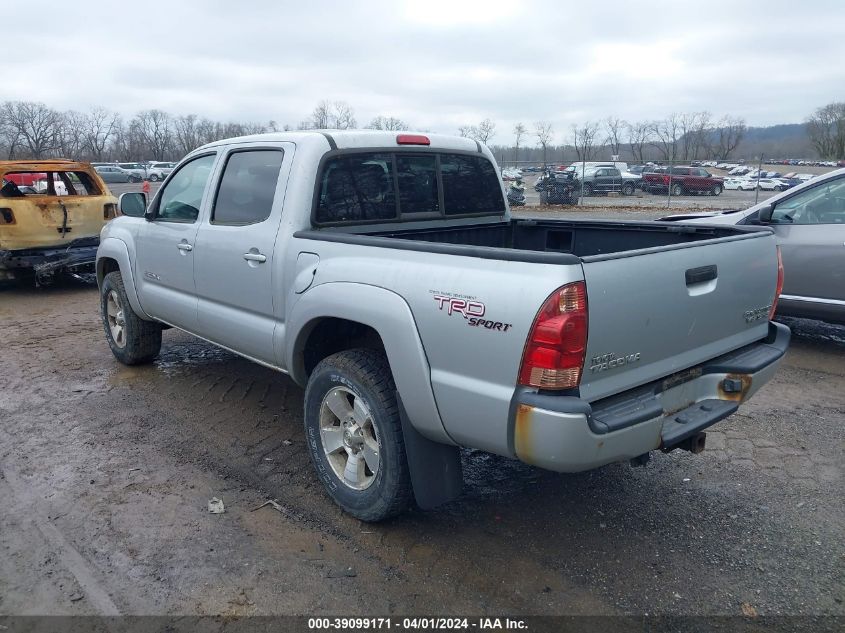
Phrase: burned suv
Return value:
(51, 214)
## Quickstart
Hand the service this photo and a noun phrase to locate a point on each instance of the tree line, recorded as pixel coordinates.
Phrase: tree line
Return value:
(35, 130)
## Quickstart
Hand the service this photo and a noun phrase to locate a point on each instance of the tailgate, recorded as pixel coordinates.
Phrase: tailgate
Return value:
(656, 312)
(53, 221)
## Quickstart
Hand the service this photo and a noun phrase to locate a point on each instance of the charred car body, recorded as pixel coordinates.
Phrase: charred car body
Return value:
(51, 214)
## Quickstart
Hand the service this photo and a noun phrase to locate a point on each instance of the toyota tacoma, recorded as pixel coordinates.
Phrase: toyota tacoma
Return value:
(384, 273)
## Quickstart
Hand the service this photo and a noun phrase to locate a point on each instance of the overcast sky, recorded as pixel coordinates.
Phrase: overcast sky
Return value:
(437, 64)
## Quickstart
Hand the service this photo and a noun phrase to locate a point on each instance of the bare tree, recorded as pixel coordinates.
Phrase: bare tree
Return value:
(729, 133)
(584, 139)
(100, 125)
(484, 131)
(519, 133)
(387, 123)
(545, 133)
(692, 130)
(186, 133)
(665, 136)
(613, 127)
(72, 135)
(639, 137)
(154, 128)
(481, 132)
(35, 126)
(826, 129)
(332, 115)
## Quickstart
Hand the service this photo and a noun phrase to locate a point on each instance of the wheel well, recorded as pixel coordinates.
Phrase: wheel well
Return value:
(106, 266)
(332, 335)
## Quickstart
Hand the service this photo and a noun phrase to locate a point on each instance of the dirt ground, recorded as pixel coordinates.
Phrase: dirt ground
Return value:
(106, 472)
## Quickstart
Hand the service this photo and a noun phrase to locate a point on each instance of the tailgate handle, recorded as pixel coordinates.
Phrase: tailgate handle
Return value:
(701, 274)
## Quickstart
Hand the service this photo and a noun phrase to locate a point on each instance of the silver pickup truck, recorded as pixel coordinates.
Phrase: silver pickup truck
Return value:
(384, 273)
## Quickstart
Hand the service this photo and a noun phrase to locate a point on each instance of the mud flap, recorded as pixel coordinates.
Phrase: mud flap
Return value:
(436, 473)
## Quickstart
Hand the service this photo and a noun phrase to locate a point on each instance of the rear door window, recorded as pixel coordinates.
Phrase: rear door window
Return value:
(247, 188)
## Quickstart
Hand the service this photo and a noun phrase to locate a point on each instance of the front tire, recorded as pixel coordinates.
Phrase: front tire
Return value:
(132, 340)
(587, 190)
(628, 189)
(354, 435)
(153, 177)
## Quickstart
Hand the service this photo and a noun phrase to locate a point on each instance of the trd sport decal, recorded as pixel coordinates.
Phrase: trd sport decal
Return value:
(471, 310)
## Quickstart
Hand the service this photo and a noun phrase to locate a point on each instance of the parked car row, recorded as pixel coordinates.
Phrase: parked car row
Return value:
(134, 172)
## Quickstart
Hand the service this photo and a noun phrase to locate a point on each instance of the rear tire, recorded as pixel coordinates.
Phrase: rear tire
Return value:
(354, 435)
(677, 190)
(132, 340)
(153, 177)
(587, 190)
(628, 189)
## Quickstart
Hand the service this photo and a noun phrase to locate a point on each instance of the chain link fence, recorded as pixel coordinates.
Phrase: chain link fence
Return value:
(662, 187)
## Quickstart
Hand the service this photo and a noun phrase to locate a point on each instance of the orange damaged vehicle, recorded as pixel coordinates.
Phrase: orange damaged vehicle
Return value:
(51, 214)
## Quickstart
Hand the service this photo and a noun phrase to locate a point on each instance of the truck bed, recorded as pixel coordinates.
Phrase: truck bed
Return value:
(526, 239)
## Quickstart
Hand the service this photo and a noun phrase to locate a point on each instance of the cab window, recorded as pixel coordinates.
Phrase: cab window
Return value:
(823, 204)
(180, 199)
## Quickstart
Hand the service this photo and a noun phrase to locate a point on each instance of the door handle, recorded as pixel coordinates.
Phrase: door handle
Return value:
(184, 246)
(255, 257)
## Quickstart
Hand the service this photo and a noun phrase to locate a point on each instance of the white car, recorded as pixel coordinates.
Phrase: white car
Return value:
(732, 184)
(746, 184)
(771, 184)
(159, 170)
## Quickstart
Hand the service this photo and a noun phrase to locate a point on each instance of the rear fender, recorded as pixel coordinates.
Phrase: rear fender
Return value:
(389, 315)
(114, 248)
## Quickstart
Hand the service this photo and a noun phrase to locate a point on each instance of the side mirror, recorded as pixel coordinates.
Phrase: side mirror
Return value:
(133, 204)
(764, 215)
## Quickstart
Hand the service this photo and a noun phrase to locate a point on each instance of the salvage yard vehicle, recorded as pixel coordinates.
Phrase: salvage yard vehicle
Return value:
(385, 274)
(605, 180)
(683, 181)
(43, 232)
(809, 225)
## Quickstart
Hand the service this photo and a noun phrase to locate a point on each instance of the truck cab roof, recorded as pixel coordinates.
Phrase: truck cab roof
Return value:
(359, 139)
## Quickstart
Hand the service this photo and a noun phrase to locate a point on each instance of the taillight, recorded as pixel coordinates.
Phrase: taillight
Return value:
(109, 211)
(554, 352)
(412, 139)
(778, 288)
(665, 180)
(6, 216)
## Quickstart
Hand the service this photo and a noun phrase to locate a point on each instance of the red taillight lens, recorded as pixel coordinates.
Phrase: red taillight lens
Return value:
(554, 352)
(412, 139)
(778, 288)
(665, 180)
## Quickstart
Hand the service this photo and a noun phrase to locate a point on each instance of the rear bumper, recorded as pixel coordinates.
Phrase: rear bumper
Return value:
(78, 254)
(567, 434)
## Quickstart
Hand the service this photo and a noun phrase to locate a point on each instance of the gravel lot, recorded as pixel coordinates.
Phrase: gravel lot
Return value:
(106, 472)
